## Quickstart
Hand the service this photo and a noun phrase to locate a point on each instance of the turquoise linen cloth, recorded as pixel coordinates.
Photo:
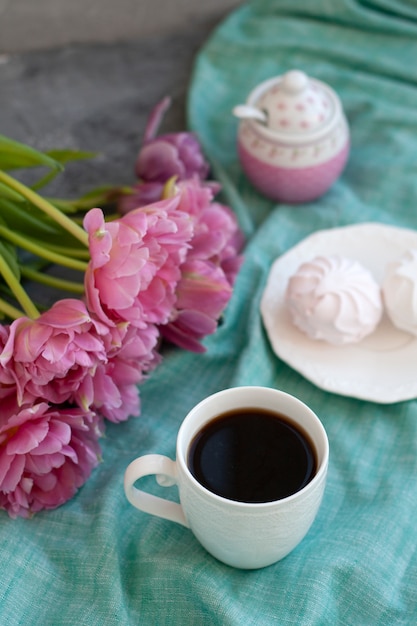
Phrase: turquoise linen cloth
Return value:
(97, 560)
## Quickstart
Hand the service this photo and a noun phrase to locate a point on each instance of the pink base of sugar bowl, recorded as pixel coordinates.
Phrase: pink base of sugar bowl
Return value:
(293, 138)
(292, 185)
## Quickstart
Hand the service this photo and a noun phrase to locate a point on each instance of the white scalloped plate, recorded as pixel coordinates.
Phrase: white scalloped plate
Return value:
(383, 366)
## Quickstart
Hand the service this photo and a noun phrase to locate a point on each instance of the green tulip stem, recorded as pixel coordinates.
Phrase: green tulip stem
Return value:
(74, 253)
(52, 281)
(42, 251)
(17, 289)
(9, 310)
(63, 220)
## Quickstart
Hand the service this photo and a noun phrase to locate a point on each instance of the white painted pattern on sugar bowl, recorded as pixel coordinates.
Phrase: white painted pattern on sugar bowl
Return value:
(287, 155)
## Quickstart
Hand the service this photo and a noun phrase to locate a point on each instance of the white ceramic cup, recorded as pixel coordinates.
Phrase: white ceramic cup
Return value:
(240, 534)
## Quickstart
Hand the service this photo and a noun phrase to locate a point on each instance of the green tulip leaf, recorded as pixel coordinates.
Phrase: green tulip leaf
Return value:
(65, 156)
(15, 155)
(21, 217)
(97, 197)
(62, 157)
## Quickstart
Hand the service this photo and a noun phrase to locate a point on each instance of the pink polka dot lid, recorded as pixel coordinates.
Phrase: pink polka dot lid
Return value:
(297, 104)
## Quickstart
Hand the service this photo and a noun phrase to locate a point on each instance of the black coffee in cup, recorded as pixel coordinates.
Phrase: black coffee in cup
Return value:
(252, 455)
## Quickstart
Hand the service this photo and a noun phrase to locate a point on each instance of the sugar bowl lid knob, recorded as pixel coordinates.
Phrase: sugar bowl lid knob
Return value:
(294, 82)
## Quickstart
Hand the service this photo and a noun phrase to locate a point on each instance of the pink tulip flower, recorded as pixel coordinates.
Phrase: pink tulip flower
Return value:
(135, 263)
(50, 357)
(209, 273)
(140, 195)
(165, 269)
(114, 387)
(202, 294)
(46, 454)
(162, 157)
(173, 154)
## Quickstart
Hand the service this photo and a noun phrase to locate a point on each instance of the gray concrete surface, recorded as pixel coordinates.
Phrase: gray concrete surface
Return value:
(95, 96)
(37, 24)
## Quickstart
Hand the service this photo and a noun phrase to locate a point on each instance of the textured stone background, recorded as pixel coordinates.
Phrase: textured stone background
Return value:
(85, 74)
(34, 24)
(95, 96)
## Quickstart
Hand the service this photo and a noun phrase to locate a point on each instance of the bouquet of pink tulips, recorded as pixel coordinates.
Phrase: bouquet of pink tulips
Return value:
(162, 267)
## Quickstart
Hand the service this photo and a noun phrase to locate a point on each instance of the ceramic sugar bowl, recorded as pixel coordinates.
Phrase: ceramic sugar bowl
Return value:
(293, 138)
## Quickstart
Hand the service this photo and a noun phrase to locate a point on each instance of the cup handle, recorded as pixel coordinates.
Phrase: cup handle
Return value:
(166, 474)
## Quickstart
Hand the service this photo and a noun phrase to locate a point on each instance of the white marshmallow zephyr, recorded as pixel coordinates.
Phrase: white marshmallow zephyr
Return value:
(399, 291)
(334, 299)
